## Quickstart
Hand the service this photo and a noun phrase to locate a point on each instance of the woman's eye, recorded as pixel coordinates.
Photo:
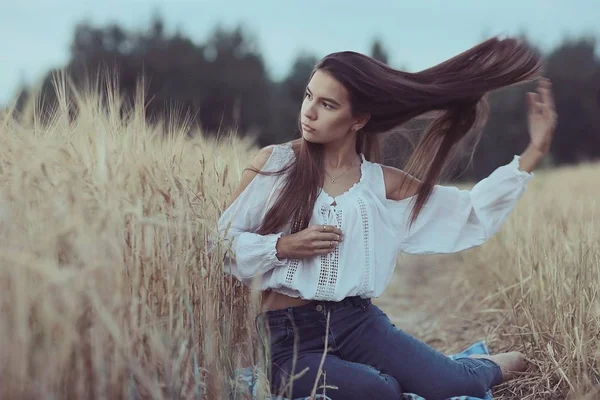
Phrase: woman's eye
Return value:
(326, 105)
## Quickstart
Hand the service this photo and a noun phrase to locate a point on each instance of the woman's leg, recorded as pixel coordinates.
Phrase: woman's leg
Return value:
(339, 379)
(296, 338)
(416, 366)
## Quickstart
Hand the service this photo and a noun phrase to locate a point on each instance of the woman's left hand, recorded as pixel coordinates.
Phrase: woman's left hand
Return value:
(541, 117)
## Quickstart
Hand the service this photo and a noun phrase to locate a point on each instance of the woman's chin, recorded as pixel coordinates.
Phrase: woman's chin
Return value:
(311, 137)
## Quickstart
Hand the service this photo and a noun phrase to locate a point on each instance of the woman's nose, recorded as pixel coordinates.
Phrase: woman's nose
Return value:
(309, 112)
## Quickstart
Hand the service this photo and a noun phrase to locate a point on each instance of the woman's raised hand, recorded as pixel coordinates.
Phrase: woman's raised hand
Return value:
(312, 241)
(541, 116)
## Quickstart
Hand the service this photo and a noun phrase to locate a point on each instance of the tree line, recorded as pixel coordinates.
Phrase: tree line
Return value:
(222, 84)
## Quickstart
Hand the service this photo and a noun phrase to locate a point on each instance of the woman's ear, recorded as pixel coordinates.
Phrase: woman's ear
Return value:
(360, 122)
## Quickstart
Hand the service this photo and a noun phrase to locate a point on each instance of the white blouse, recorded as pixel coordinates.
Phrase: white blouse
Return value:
(375, 230)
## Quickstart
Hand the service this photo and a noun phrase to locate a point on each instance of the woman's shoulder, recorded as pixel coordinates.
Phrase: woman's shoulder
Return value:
(262, 157)
(268, 159)
(272, 156)
(399, 185)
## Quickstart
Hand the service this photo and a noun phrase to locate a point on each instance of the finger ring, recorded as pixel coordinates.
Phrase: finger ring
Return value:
(331, 244)
(324, 228)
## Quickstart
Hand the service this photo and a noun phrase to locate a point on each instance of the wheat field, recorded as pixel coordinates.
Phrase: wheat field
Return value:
(108, 289)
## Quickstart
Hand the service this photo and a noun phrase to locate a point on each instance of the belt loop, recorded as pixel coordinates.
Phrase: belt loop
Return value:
(289, 313)
(359, 302)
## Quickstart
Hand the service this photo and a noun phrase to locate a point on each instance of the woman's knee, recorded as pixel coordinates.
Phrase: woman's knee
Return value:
(385, 387)
(368, 384)
(376, 385)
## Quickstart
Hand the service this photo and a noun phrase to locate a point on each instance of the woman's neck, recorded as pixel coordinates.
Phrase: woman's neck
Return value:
(338, 155)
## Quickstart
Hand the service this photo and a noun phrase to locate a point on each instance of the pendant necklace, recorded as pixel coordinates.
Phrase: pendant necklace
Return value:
(343, 173)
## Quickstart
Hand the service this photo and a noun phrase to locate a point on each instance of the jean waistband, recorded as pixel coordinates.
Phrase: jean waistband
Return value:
(315, 306)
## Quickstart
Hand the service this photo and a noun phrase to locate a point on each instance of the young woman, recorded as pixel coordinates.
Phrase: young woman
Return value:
(317, 223)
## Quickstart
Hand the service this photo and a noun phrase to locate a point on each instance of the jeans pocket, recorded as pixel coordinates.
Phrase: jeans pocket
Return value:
(279, 334)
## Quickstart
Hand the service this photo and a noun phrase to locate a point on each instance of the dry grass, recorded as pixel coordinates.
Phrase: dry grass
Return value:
(533, 287)
(107, 289)
(543, 272)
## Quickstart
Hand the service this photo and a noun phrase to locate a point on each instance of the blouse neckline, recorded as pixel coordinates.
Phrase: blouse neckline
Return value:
(331, 199)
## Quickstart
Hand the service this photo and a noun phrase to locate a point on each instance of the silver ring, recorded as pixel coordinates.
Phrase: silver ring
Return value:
(324, 228)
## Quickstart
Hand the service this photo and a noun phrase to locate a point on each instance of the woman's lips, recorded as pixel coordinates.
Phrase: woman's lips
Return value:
(308, 128)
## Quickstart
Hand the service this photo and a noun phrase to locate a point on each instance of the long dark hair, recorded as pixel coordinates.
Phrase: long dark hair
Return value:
(455, 88)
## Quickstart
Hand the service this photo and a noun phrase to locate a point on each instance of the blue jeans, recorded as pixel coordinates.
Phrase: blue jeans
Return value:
(368, 357)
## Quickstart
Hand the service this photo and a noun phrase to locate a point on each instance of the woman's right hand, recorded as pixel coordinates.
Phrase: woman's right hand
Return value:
(312, 241)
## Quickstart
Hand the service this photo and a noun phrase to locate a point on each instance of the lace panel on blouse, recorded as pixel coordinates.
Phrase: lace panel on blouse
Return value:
(366, 278)
(330, 263)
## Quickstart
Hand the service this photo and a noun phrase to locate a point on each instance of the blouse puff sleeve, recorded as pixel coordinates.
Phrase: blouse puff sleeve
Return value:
(453, 220)
(250, 254)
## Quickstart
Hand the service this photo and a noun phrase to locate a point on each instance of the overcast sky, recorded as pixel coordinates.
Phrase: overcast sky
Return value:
(36, 33)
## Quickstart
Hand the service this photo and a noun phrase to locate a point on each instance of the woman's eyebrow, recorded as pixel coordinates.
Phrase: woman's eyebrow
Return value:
(325, 98)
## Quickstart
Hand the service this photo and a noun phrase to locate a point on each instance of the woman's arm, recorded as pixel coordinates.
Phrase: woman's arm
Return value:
(258, 163)
(453, 220)
(530, 159)
(251, 254)
(541, 121)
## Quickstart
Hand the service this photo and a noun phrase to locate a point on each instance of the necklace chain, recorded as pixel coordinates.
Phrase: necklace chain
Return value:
(342, 174)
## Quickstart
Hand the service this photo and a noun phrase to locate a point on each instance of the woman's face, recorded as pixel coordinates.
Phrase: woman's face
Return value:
(326, 114)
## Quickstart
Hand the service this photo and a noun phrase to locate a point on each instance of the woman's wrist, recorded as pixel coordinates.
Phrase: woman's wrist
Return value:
(530, 158)
(281, 248)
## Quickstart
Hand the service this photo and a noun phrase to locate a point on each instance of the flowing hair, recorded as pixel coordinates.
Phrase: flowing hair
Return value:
(454, 89)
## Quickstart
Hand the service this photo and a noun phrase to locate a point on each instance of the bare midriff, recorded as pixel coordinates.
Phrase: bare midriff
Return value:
(277, 301)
